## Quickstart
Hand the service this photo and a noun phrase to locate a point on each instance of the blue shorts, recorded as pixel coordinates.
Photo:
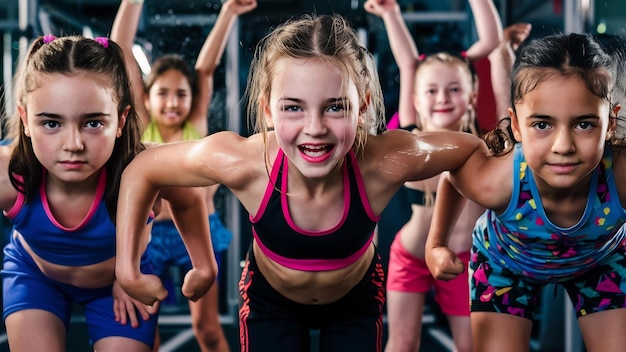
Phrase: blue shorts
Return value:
(166, 248)
(24, 286)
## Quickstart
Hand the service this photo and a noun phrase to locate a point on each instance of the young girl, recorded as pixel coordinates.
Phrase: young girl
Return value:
(555, 194)
(75, 131)
(176, 104)
(314, 183)
(440, 89)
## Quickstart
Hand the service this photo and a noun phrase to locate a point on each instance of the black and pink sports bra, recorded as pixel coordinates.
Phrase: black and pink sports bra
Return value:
(284, 242)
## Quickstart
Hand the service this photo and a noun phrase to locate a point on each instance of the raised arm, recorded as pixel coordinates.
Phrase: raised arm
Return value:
(488, 26)
(404, 52)
(209, 58)
(501, 59)
(123, 33)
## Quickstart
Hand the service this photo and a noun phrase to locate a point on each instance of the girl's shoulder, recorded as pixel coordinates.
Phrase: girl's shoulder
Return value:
(230, 151)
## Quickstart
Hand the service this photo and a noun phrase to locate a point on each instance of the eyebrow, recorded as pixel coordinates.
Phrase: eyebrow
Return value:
(329, 100)
(91, 115)
(580, 117)
(447, 84)
(166, 89)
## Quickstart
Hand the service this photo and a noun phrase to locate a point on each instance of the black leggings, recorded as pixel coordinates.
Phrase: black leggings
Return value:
(268, 321)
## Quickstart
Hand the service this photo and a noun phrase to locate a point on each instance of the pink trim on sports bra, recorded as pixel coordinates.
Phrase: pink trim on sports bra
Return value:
(19, 202)
(359, 181)
(312, 264)
(287, 214)
(94, 205)
(269, 190)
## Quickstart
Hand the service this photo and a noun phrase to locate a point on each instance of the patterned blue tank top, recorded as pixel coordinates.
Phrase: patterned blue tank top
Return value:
(525, 241)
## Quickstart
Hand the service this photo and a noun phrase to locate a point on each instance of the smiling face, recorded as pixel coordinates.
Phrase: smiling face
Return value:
(72, 122)
(314, 112)
(563, 127)
(169, 99)
(443, 95)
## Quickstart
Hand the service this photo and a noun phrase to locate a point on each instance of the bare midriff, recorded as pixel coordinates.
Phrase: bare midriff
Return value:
(313, 287)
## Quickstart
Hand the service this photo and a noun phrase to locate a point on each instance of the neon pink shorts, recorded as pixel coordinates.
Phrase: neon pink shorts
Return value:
(408, 273)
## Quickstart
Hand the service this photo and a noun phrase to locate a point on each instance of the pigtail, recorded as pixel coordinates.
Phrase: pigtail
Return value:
(500, 140)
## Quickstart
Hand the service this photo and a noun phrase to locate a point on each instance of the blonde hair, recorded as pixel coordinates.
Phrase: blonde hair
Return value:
(469, 120)
(328, 37)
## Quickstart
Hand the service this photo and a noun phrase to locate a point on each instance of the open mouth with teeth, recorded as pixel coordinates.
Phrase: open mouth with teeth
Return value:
(316, 153)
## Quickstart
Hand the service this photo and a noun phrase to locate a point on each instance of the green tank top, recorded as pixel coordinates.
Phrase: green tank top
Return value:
(152, 134)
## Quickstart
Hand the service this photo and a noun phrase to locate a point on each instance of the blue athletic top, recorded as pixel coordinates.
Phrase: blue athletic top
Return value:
(91, 242)
(525, 241)
(281, 240)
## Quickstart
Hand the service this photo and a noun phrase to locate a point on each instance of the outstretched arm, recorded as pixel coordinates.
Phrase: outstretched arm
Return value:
(441, 261)
(404, 52)
(488, 26)
(209, 58)
(123, 33)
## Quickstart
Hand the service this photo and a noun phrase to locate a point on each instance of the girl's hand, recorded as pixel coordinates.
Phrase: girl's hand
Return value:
(443, 263)
(240, 7)
(125, 308)
(515, 34)
(380, 7)
(197, 283)
(147, 289)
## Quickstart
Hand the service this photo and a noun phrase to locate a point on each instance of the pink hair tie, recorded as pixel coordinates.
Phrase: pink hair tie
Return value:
(104, 41)
(48, 38)
(464, 54)
(422, 57)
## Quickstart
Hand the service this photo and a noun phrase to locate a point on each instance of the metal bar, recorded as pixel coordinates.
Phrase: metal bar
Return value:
(233, 113)
(435, 16)
(182, 20)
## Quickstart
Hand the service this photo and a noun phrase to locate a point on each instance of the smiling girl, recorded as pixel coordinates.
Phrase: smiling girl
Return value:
(555, 195)
(314, 182)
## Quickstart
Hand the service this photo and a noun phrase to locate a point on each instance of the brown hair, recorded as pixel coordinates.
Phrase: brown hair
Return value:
(73, 55)
(555, 56)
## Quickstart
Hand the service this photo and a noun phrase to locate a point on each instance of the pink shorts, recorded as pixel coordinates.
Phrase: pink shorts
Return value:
(408, 273)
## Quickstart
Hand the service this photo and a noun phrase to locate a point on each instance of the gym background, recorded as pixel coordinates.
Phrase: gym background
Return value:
(180, 26)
